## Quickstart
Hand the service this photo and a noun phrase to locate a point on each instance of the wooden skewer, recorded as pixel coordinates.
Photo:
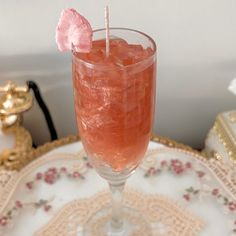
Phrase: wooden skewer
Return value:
(107, 31)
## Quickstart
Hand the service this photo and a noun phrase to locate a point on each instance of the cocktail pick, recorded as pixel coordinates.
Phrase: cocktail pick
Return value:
(107, 31)
(73, 29)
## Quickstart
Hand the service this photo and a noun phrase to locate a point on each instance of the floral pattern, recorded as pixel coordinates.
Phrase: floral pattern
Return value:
(174, 166)
(18, 205)
(50, 176)
(228, 205)
(178, 167)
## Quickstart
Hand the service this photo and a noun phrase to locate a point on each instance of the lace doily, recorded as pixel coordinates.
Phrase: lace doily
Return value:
(165, 217)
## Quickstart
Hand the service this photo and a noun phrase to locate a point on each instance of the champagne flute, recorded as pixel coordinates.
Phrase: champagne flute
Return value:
(114, 103)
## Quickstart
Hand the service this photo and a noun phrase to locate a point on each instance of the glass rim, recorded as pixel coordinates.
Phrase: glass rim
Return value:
(104, 67)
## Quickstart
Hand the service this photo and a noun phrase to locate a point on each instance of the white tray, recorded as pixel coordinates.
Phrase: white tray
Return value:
(160, 188)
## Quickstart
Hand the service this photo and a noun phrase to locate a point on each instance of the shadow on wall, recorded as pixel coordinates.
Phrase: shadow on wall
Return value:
(188, 97)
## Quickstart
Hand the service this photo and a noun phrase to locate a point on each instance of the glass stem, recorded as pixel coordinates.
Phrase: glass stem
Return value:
(117, 208)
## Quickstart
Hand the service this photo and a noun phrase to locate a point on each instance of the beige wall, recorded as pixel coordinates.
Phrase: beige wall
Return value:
(196, 58)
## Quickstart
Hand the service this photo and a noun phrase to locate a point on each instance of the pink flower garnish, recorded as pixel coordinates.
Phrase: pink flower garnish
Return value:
(73, 29)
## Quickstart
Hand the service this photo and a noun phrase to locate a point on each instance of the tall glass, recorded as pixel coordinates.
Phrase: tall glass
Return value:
(115, 111)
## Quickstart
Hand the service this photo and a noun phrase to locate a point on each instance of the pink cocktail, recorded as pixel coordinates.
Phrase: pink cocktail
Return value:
(114, 103)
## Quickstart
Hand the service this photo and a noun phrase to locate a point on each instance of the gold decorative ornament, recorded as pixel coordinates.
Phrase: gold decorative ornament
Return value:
(14, 100)
(226, 137)
(14, 159)
(217, 156)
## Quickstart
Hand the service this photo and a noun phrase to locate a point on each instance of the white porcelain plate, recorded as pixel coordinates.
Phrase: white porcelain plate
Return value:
(176, 189)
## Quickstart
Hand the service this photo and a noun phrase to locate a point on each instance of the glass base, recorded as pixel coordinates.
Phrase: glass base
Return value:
(134, 224)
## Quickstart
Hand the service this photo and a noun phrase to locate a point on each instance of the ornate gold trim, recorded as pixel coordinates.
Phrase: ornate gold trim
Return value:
(173, 144)
(15, 158)
(34, 153)
(226, 137)
(15, 99)
(23, 153)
